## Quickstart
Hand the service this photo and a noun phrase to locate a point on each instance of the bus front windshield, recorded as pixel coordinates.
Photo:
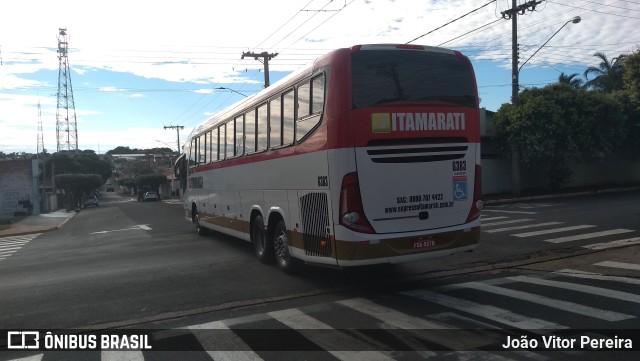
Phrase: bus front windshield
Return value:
(385, 77)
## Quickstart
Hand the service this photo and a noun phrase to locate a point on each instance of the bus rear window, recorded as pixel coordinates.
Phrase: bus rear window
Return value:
(384, 77)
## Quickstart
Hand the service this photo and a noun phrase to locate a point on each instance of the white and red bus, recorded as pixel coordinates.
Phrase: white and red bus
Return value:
(370, 155)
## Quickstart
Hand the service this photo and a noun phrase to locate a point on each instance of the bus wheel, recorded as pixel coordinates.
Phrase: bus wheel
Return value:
(261, 244)
(286, 263)
(202, 231)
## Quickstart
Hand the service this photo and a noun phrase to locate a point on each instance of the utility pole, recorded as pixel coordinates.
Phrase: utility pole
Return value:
(177, 128)
(266, 56)
(512, 14)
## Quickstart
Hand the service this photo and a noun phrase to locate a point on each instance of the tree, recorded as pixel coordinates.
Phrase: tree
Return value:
(607, 75)
(86, 162)
(76, 186)
(631, 75)
(558, 124)
(630, 99)
(571, 80)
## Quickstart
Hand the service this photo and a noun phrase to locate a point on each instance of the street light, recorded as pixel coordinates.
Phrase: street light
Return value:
(515, 151)
(575, 20)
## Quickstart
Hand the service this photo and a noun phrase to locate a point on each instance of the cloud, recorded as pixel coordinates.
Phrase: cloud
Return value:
(192, 42)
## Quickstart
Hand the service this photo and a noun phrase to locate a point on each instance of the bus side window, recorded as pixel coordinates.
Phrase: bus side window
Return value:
(229, 134)
(214, 144)
(288, 117)
(275, 123)
(201, 150)
(261, 125)
(207, 144)
(223, 141)
(195, 151)
(189, 154)
(239, 135)
(317, 94)
(309, 93)
(250, 131)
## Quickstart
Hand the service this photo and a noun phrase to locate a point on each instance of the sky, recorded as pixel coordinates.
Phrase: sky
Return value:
(138, 66)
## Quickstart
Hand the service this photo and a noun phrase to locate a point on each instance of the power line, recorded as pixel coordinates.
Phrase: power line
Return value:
(450, 22)
(469, 32)
(283, 24)
(595, 11)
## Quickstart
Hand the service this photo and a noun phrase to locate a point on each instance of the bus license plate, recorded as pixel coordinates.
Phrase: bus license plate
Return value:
(424, 243)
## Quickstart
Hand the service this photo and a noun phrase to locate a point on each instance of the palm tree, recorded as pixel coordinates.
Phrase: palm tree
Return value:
(608, 74)
(571, 80)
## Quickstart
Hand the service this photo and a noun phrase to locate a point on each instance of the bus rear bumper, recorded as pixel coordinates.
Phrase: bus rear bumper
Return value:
(406, 249)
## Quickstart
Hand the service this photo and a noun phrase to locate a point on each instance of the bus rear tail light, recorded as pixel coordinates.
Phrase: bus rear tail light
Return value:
(476, 204)
(351, 211)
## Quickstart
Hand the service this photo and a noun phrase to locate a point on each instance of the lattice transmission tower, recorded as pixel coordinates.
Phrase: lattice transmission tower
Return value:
(40, 146)
(66, 124)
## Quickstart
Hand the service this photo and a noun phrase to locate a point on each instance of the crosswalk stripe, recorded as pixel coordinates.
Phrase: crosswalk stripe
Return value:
(13, 243)
(8, 252)
(536, 225)
(620, 242)
(612, 264)
(506, 222)
(542, 300)
(503, 211)
(396, 319)
(121, 356)
(490, 312)
(552, 230)
(588, 235)
(483, 218)
(298, 320)
(232, 341)
(28, 237)
(604, 292)
(8, 248)
(30, 358)
(389, 316)
(596, 276)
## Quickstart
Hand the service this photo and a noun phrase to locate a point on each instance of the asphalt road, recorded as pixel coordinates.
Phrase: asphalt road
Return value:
(134, 264)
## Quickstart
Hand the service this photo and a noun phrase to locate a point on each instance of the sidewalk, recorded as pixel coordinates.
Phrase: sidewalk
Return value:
(37, 224)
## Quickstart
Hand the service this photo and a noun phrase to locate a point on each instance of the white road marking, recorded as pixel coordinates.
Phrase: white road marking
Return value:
(492, 218)
(605, 292)
(490, 312)
(596, 276)
(298, 320)
(122, 356)
(503, 211)
(618, 243)
(506, 222)
(552, 230)
(389, 316)
(579, 237)
(612, 264)
(536, 225)
(231, 341)
(132, 228)
(542, 300)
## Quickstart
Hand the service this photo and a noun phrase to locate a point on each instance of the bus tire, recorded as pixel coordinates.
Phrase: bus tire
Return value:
(285, 261)
(261, 242)
(202, 231)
